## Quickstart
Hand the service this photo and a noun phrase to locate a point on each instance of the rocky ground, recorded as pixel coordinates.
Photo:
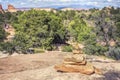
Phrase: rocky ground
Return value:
(41, 67)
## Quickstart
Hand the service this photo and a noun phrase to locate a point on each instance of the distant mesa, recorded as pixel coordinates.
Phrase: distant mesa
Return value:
(45, 9)
(67, 9)
(11, 8)
(1, 9)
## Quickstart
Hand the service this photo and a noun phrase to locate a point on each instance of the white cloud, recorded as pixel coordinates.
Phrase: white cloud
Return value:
(92, 3)
(22, 3)
(61, 3)
(109, 0)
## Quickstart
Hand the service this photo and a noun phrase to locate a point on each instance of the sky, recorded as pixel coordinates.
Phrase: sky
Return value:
(61, 3)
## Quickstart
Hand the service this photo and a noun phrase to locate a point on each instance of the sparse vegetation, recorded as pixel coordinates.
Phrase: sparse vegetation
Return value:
(67, 48)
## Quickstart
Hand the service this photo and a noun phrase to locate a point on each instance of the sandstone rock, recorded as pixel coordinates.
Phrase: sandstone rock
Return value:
(11, 8)
(0, 6)
(15, 54)
(77, 52)
(98, 71)
(74, 63)
(84, 69)
(1, 9)
(11, 32)
(81, 46)
(112, 42)
(75, 46)
(74, 58)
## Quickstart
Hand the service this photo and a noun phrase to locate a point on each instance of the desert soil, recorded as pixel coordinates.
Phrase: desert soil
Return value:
(41, 67)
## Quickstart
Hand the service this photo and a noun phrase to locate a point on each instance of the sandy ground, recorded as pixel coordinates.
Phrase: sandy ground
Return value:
(41, 67)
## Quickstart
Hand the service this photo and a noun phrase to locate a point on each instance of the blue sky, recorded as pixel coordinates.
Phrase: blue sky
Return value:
(61, 3)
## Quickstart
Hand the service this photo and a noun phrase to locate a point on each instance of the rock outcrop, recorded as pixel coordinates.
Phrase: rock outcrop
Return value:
(77, 63)
(11, 33)
(1, 9)
(11, 8)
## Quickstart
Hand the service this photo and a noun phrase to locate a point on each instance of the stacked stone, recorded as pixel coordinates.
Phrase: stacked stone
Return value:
(76, 63)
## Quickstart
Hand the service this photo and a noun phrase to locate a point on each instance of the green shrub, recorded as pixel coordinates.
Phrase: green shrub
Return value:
(95, 49)
(114, 53)
(7, 47)
(67, 48)
(49, 48)
(38, 50)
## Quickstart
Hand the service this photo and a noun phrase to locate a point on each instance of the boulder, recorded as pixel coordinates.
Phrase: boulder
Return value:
(84, 69)
(78, 58)
(77, 52)
(74, 63)
(75, 46)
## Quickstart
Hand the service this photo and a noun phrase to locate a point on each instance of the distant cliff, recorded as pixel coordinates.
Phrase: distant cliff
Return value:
(11, 8)
(1, 9)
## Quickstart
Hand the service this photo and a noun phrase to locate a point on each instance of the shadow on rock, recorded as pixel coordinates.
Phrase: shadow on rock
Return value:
(111, 75)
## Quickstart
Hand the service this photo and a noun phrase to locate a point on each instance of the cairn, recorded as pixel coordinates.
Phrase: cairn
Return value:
(77, 63)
